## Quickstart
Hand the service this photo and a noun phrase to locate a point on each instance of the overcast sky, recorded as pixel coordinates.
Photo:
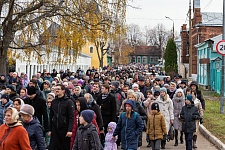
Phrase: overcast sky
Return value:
(152, 12)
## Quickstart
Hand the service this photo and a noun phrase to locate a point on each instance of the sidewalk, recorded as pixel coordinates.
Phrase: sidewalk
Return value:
(202, 143)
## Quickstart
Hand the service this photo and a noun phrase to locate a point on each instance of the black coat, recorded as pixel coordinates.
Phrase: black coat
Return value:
(40, 108)
(95, 95)
(108, 108)
(189, 114)
(61, 114)
(98, 113)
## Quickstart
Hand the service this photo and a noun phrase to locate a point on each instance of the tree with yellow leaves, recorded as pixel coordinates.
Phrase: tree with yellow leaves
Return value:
(25, 23)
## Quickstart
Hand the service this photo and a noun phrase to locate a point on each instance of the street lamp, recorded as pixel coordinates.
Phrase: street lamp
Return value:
(173, 25)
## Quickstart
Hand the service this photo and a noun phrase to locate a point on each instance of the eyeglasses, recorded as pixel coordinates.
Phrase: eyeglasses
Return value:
(49, 102)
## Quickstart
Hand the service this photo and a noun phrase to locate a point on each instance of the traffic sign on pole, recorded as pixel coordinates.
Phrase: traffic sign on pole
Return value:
(220, 47)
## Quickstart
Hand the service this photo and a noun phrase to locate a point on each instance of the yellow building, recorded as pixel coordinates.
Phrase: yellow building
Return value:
(90, 50)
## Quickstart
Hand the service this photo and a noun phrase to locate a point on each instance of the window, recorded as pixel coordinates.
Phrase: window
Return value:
(156, 60)
(151, 60)
(133, 60)
(145, 60)
(139, 59)
(91, 49)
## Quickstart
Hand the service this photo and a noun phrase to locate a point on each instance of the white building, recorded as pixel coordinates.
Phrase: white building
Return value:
(31, 67)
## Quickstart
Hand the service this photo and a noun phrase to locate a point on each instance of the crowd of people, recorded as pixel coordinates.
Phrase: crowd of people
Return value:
(104, 109)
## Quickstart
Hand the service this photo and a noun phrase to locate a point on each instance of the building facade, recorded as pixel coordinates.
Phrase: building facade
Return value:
(205, 25)
(209, 64)
(146, 55)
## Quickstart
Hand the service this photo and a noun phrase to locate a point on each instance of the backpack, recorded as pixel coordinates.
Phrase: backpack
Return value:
(171, 133)
(89, 134)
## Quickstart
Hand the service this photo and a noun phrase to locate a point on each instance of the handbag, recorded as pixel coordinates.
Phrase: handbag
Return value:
(171, 133)
(5, 136)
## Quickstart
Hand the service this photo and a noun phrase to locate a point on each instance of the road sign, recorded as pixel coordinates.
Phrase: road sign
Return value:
(220, 47)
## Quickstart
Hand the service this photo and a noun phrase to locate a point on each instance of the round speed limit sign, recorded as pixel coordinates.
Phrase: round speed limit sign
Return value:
(220, 47)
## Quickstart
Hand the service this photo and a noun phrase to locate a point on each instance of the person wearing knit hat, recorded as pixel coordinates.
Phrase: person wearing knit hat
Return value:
(27, 110)
(166, 108)
(87, 115)
(189, 97)
(4, 104)
(163, 89)
(115, 84)
(156, 127)
(189, 114)
(155, 106)
(84, 130)
(33, 127)
(10, 87)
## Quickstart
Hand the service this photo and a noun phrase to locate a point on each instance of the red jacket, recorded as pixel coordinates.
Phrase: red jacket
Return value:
(17, 139)
(75, 127)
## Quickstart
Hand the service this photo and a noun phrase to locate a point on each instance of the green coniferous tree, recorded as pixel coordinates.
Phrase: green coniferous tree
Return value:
(171, 66)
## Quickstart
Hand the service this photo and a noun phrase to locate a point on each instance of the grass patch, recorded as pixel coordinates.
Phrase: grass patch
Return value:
(213, 120)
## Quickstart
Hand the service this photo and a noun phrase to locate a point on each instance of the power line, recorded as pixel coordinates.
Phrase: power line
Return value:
(207, 5)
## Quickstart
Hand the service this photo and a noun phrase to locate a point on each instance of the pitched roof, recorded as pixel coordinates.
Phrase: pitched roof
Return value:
(147, 51)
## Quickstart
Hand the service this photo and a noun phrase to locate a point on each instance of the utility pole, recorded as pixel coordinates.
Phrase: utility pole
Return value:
(223, 59)
(190, 42)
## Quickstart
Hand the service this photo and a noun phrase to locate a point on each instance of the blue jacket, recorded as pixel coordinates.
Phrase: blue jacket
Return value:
(2, 110)
(130, 128)
(35, 133)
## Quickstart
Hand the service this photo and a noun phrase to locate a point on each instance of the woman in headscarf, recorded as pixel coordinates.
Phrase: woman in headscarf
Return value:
(23, 93)
(13, 135)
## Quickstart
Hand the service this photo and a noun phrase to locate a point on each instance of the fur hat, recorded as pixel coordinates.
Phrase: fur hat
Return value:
(88, 115)
(155, 106)
(31, 90)
(27, 109)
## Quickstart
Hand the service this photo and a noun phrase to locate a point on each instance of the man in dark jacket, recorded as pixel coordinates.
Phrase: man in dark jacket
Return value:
(189, 114)
(61, 120)
(142, 87)
(39, 105)
(107, 104)
(96, 90)
(194, 87)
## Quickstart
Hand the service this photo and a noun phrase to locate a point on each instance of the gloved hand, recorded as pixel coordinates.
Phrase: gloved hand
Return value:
(201, 120)
(165, 137)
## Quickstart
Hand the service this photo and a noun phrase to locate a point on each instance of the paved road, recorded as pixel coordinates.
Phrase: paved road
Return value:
(202, 143)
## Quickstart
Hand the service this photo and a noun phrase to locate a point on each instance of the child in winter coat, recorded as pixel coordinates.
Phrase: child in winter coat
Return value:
(156, 127)
(87, 134)
(189, 114)
(110, 144)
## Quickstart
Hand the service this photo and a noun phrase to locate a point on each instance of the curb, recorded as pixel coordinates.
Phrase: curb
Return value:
(208, 135)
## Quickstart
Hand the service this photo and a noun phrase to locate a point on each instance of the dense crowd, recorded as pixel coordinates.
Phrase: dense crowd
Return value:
(97, 110)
